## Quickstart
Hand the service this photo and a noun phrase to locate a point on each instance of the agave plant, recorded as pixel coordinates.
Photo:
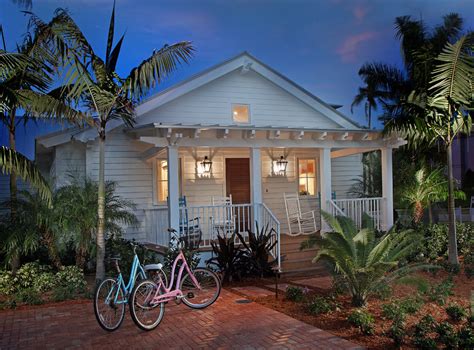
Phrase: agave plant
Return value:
(257, 257)
(227, 257)
(364, 261)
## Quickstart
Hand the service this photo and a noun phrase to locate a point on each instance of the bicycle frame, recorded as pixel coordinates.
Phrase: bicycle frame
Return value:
(169, 292)
(136, 268)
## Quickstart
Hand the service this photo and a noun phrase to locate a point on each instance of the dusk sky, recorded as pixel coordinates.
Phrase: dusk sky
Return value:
(318, 44)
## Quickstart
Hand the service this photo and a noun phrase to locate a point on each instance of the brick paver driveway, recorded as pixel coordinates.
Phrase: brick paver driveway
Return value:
(226, 324)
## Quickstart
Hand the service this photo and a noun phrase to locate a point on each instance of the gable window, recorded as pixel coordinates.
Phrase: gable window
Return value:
(161, 181)
(307, 177)
(241, 113)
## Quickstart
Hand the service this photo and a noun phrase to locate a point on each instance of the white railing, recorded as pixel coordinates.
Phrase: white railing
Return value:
(354, 208)
(156, 226)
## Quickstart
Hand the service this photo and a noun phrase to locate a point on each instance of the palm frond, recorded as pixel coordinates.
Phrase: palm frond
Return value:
(11, 161)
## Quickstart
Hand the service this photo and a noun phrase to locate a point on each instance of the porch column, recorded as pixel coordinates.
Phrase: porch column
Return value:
(387, 187)
(325, 183)
(256, 183)
(173, 187)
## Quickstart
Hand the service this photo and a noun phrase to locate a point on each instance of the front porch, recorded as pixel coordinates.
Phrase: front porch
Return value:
(319, 166)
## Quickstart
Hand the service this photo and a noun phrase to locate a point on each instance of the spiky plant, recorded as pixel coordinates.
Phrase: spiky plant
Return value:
(364, 261)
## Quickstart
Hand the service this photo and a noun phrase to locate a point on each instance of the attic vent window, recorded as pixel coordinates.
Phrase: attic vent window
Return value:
(240, 113)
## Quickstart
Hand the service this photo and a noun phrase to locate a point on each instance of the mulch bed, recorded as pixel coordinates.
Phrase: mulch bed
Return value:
(336, 321)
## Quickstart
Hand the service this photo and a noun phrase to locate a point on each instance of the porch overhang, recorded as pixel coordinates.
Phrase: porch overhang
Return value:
(215, 135)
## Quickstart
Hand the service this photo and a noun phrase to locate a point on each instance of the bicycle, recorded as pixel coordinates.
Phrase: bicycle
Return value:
(112, 294)
(198, 289)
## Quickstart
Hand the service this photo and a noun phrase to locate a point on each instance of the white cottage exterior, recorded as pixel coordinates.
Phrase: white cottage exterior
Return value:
(221, 134)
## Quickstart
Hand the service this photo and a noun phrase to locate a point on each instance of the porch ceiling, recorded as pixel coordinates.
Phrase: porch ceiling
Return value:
(217, 135)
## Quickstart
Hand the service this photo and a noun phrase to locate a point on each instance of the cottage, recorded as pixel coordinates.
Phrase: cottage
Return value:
(236, 144)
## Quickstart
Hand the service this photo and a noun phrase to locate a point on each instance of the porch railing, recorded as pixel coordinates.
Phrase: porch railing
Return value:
(354, 208)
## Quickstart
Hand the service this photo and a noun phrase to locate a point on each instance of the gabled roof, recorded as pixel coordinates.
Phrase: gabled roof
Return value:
(244, 61)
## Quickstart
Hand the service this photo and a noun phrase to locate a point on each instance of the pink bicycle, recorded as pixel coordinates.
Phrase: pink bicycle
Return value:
(198, 289)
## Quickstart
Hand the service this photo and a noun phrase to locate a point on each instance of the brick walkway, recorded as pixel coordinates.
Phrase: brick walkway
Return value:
(226, 324)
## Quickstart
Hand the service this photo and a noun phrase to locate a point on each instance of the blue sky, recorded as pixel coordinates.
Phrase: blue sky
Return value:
(318, 44)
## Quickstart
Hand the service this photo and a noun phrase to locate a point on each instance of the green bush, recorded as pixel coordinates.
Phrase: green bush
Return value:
(6, 283)
(71, 277)
(456, 312)
(397, 332)
(320, 305)
(293, 293)
(27, 274)
(425, 343)
(447, 335)
(436, 239)
(393, 311)
(383, 291)
(29, 296)
(411, 305)
(64, 292)
(362, 320)
(441, 291)
(44, 282)
(469, 261)
(466, 337)
(424, 326)
(398, 310)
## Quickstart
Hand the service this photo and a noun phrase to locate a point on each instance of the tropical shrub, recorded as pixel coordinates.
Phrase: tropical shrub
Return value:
(424, 326)
(28, 296)
(257, 258)
(397, 332)
(44, 282)
(365, 261)
(441, 291)
(456, 312)
(320, 305)
(227, 257)
(294, 293)
(469, 261)
(362, 320)
(466, 337)
(71, 277)
(447, 335)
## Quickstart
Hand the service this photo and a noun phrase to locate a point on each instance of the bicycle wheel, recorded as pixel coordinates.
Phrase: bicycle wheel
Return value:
(207, 294)
(108, 313)
(145, 315)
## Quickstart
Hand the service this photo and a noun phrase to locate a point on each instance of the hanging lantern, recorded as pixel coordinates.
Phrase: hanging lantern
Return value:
(280, 166)
(206, 166)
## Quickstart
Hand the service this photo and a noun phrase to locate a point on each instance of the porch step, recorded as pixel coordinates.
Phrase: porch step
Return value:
(315, 270)
(295, 260)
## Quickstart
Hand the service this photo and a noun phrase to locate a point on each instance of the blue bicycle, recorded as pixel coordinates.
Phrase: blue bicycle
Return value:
(111, 296)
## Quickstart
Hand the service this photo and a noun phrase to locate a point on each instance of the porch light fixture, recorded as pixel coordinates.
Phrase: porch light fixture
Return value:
(279, 166)
(204, 169)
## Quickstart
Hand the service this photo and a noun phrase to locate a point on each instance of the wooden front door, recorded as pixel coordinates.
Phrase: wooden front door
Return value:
(237, 178)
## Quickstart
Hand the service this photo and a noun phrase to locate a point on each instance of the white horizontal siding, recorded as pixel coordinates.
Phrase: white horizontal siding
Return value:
(69, 160)
(211, 103)
(344, 171)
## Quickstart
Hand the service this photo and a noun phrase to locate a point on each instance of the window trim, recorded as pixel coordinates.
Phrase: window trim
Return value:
(232, 113)
(315, 178)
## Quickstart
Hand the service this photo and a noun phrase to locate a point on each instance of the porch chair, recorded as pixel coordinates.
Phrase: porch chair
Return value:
(223, 218)
(189, 229)
(306, 222)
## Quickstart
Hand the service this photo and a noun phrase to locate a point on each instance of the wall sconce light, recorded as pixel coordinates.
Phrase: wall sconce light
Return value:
(204, 168)
(279, 166)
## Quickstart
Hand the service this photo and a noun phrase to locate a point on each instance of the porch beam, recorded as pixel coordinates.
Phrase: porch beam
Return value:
(173, 187)
(350, 151)
(273, 142)
(326, 186)
(387, 186)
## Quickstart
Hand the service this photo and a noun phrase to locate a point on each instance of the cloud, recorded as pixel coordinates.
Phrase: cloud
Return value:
(360, 12)
(348, 51)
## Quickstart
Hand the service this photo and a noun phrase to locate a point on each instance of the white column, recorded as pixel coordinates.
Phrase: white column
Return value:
(173, 187)
(387, 187)
(256, 185)
(325, 182)
(256, 175)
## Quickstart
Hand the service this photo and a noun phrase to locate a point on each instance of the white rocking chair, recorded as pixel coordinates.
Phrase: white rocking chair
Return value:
(306, 221)
(223, 218)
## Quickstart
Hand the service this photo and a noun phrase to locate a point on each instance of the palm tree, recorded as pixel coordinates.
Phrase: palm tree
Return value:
(77, 206)
(381, 83)
(428, 187)
(364, 261)
(443, 112)
(23, 88)
(96, 86)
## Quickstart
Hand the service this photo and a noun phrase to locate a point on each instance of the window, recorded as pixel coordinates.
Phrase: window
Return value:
(307, 177)
(241, 113)
(161, 181)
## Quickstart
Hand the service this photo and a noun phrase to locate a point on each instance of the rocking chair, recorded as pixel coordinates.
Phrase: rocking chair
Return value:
(306, 222)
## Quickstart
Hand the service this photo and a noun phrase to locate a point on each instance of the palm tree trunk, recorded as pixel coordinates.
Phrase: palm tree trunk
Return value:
(52, 250)
(15, 260)
(100, 240)
(418, 213)
(452, 243)
(369, 117)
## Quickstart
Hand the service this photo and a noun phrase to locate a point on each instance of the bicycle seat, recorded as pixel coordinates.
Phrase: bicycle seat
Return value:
(151, 267)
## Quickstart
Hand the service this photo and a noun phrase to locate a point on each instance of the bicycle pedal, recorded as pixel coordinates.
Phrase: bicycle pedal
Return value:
(190, 295)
